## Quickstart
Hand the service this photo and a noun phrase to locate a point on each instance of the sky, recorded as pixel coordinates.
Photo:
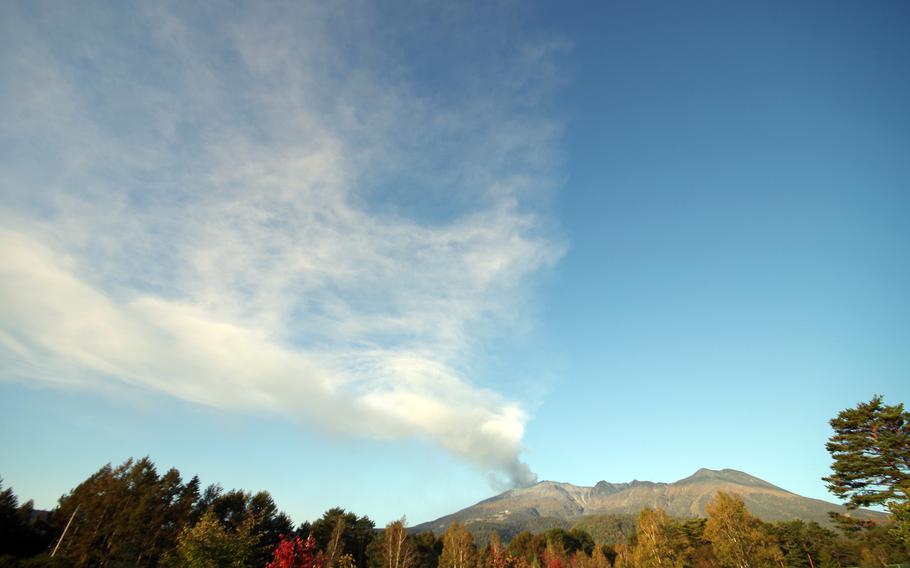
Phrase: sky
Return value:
(398, 258)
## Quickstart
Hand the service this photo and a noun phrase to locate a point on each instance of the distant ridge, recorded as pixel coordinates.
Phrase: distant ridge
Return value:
(550, 504)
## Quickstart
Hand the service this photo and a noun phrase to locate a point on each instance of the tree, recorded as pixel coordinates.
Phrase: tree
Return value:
(131, 515)
(699, 553)
(458, 548)
(607, 529)
(13, 527)
(20, 535)
(900, 513)
(210, 545)
(661, 544)
(497, 557)
(871, 452)
(397, 549)
(428, 549)
(801, 543)
(128, 514)
(737, 538)
(268, 523)
(294, 552)
(599, 559)
(339, 532)
(528, 547)
(235, 507)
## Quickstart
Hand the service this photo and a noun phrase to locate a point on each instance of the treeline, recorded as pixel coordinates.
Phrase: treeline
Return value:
(132, 515)
(730, 537)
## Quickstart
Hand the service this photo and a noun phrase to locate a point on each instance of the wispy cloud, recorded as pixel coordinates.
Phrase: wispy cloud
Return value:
(275, 209)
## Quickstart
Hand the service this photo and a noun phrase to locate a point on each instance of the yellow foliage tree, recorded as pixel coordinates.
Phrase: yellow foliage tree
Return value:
(660, 542)
(458, 548)
(738, 538)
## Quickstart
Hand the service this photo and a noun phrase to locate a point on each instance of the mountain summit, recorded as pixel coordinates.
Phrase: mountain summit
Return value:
(549, 504)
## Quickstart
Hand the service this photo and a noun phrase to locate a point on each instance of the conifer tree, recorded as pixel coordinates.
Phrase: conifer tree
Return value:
(17, 537)
(427, 548)
(871, 451)
(339, 532)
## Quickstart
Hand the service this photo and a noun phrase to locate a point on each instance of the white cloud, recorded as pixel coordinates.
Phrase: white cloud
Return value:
(248, 212)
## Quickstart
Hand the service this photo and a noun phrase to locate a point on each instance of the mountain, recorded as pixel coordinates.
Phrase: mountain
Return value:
(550, 504)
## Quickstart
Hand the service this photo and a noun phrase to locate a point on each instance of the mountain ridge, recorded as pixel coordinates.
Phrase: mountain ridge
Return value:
(548, 504)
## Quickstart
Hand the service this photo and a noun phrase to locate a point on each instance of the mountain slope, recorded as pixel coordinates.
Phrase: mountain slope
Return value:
(548, 504)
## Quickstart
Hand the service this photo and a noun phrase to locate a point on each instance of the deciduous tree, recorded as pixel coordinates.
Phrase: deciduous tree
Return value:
(294, 552)
(210, 545)
(661, 543)
(737, 538)
(458, 548)
(397, 548)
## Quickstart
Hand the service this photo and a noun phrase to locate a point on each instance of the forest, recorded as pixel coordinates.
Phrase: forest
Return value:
(131, 515)
(134, 515)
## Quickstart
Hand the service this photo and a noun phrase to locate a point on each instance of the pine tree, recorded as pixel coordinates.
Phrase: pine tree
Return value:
(127, 515)
(871, 451)
(14, 530)
(900, 513)
(352, 538)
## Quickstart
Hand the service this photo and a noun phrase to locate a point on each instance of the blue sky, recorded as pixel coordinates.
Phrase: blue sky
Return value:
(398, 259)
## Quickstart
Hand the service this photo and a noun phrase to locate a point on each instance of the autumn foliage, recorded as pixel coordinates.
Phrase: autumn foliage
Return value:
(294, 552)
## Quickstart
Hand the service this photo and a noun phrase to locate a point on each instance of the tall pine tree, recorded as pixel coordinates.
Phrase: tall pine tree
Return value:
(871, 451)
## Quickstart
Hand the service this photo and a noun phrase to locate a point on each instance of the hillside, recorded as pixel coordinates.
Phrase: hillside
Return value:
(549, 504)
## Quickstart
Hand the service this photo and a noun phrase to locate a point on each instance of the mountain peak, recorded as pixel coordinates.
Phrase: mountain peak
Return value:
(551, 504)
(705, 475)
(604, 488)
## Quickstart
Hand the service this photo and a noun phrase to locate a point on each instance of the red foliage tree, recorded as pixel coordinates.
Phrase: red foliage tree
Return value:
(552, 559)
(294, 553)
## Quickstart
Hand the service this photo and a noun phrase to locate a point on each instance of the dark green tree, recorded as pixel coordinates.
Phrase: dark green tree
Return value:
(126, 515)
(20, 535)
(802, 544)
(871, 452)
(269, 524)
(236, 507)
(428, 549)
(11, 526)
(339, 532)
(570, 541)
(607, 529)
(528, 546)
(698, 550)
